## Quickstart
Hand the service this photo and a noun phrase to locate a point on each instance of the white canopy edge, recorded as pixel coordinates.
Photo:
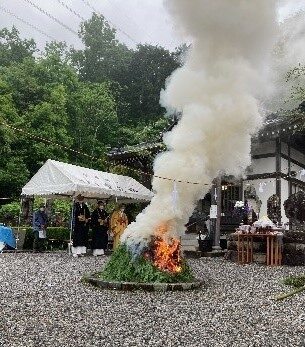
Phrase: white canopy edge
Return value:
(58, 180)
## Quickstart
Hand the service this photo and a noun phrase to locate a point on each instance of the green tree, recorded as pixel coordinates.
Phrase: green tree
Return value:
(54, 67)
(104, 58)
(148, 70)
(296, 76)
(136, 76)
(33, 98)
(142, 133)
(93, 119)
(13, 171)
(25, 88)
(13, 49)
(49, 120)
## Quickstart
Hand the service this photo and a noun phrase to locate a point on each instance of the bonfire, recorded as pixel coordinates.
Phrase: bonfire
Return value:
(160, 261)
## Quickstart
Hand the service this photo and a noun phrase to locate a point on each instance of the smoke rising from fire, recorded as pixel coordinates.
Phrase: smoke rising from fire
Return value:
(289, 52)
(217, 92)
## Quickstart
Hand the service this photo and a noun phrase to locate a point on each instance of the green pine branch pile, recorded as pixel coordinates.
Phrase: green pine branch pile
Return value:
(122, 267)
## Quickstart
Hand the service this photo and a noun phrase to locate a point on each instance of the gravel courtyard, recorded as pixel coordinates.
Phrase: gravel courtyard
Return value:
(43, 303)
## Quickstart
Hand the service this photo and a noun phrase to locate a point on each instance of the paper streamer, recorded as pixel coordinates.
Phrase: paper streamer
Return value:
(175, 197)
(261, 187)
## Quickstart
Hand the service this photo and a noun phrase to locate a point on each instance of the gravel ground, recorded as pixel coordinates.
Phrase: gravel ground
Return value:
(43, 303)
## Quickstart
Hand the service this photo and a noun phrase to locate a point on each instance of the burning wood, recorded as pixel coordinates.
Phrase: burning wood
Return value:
(166, 255)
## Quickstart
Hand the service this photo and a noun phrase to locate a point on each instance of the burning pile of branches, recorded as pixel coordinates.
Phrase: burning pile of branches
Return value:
(160, 261)
(165, 255)
(161, 264)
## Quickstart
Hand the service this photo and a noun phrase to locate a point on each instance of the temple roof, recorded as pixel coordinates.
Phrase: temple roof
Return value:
(288, 125)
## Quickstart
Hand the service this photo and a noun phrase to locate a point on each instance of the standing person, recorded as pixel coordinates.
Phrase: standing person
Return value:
(81, 217)
(100, 225)
(118, 224)
(40, 220)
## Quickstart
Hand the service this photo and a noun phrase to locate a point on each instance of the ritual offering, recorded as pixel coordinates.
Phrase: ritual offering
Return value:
(264, 226)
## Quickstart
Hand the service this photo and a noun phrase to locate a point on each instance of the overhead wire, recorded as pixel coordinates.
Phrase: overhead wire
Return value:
(71, 10)
(129, 19)
(51, 17)
(27, 23)
(112, 3)
(87, 3)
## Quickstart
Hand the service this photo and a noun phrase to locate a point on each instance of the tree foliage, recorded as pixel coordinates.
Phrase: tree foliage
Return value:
(296, 77)
(13, 49)
(89, 100)
(137, 75)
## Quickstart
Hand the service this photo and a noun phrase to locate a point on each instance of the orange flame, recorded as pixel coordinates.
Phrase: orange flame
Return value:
(166, 253)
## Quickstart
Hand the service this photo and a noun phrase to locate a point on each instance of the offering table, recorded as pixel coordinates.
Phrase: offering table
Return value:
(273, 248)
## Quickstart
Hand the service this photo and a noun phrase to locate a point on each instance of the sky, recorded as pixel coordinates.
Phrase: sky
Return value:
(136, 21)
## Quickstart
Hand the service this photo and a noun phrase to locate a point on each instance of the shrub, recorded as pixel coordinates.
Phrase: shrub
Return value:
(10, 212)
(56, 233)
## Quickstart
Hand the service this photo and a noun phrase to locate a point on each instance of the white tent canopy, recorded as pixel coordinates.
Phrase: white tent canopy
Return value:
(55, 178)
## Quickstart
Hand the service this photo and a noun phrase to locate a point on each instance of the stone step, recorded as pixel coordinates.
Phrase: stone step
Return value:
(189, 248)
(188, 237)
(189, 242)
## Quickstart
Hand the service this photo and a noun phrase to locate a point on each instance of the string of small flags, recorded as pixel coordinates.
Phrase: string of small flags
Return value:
(263, 185)
(130, 160)
(283, 130)
(138, 149)
(42, 139)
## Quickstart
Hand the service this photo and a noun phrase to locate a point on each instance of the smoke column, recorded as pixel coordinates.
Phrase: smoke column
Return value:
(217, 92)
(289, 52)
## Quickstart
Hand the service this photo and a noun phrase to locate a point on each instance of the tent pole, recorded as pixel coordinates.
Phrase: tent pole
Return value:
(71, 226)
(19, 222)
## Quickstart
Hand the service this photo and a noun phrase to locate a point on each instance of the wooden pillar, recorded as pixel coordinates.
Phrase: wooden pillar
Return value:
(216, 200)
(241, 193)
(278, 168)
(289, 175)
(289, 168)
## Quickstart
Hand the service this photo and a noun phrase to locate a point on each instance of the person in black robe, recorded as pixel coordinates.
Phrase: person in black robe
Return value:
(81, 218)
(100, 225)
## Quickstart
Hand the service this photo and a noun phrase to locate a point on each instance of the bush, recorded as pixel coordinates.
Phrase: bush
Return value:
(10, 212)
(57, 233)
(61, 212)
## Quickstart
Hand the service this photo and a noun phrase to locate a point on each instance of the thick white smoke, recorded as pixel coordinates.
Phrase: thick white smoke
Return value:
(288, 53)
(217, 91)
